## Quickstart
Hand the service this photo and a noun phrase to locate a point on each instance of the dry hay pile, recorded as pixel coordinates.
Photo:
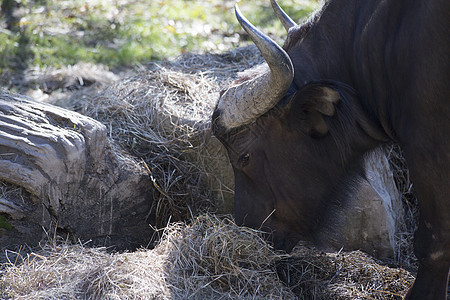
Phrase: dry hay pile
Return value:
(66, 86)
(211, 258)
(313, 274)
(404, 240)
(69, 78)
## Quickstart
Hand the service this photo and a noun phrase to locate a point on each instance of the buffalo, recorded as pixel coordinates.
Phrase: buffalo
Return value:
(358, 74)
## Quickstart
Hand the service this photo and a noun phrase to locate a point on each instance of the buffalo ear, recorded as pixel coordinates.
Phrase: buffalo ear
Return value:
(308, 107)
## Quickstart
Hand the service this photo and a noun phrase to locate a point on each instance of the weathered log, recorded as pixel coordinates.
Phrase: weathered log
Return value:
(75, 182)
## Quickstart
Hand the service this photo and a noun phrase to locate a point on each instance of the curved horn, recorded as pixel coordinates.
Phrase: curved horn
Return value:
(243, 103)
(284, 18)
(278, 60)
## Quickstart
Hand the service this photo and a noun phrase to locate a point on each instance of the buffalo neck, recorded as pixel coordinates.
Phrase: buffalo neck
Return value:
(350, 42)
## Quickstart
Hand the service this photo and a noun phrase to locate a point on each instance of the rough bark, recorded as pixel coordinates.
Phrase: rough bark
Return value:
(75, 183)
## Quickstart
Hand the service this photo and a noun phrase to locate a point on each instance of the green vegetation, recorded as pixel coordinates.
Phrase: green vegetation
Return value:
(125, 32)
(4, 223)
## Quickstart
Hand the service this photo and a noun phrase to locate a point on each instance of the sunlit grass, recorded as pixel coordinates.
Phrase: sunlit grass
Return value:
(125, 32)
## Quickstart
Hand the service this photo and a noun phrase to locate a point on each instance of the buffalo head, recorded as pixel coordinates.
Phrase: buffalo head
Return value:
(290, 145)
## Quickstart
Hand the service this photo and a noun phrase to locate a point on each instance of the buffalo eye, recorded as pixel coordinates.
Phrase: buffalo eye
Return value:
(244, 159)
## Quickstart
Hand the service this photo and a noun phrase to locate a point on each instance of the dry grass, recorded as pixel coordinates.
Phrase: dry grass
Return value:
(68, 78)
(313, 274)
(210, 258)
(404, 239)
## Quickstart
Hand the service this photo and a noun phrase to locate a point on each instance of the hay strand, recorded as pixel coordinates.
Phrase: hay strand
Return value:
(209, 258)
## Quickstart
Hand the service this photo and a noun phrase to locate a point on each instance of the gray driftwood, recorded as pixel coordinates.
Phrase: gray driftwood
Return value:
(72, 180)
